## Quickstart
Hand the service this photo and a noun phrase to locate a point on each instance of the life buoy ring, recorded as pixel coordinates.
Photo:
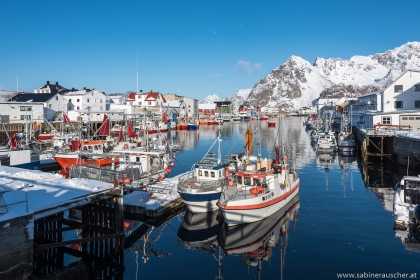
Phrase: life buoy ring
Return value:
(125, 146)
(256, 191)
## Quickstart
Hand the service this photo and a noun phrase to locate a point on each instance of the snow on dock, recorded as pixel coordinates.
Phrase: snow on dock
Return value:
(27, 192)
(159, 202)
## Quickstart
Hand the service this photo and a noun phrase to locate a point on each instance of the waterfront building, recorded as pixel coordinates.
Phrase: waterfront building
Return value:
(398, 104)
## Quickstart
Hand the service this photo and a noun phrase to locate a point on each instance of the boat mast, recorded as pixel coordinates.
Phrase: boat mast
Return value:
(219, 152)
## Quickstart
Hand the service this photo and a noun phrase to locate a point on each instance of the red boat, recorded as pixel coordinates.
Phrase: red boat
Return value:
(271, 123)
(84, 152)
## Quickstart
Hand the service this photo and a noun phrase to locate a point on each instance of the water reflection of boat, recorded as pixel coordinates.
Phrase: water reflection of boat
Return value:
(199, 230)
(255, 241)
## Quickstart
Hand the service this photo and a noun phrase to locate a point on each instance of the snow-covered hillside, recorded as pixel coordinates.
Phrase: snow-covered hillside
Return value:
(297, 83)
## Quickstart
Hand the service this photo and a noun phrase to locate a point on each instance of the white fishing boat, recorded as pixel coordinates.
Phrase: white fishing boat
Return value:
(201, 187)
(326, 142)
(346, 143)
(406, 200)
(259, 188)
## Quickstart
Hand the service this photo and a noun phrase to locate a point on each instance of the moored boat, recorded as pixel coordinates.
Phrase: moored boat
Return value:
(346, 143)
(201, 187)
(326, 142)
(84, 152)
(406, 200)
(259, 188)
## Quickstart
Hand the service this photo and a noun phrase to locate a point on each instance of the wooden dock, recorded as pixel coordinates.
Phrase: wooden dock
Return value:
(36, 218)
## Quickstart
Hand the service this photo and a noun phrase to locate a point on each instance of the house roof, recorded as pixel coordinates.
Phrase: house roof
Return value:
(54, 88)
(80, 92)
(207, 106)
(32, 97)
(131, 96)
(153, 95)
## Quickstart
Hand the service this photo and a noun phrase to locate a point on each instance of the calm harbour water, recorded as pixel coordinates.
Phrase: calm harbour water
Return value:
(342, 223)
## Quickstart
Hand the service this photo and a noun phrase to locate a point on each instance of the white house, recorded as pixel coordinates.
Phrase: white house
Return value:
(21, 112)
(54, 104)
(85, 102)
(398, 104)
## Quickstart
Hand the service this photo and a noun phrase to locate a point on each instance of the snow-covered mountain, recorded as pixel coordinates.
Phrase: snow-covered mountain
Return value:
(211, 99)
(297, 83)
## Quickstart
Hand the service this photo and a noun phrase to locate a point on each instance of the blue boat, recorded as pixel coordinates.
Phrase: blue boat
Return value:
(192, 126)
(201, 187)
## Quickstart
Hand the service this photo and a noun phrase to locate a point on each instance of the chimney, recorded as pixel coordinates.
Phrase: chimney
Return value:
(48, 82)
(56, 83)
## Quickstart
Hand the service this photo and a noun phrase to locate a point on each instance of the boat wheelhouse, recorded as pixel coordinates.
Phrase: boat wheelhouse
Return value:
(201, 187)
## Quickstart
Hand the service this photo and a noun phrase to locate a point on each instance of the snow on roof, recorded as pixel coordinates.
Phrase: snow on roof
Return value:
(43, 191)
(172, 103)
(207, 106)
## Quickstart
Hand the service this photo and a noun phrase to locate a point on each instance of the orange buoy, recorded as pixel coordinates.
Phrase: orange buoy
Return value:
(230, 182)
(127, 181)
(160, 179)
(172, 164)
(168, 169)
(126, 224)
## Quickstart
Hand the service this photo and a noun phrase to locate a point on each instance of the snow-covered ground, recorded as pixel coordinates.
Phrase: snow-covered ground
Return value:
(24, 192)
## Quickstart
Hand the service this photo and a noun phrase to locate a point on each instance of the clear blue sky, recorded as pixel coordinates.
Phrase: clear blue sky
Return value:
(187, 47)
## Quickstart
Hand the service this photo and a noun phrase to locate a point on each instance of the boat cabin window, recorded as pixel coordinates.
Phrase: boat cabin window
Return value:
(247, 181)
(206, 174)
(212, 174)
(96, 147)
(84, 148)
(239, 179)
(90, 148)
(137, 159)
(200, 173)
(127, 158)
(257, 182)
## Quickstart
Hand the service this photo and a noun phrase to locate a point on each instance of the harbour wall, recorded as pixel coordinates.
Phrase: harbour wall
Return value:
(404, 151)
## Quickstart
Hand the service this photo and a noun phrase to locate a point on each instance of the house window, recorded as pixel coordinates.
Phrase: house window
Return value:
(78, 108)
(417, 88)
(398, 104)
(56, 98)
(398, 88)
(88, 100)
(417, 104)
(78, 100)
(69, 100)
(25, 117)
(149, 103)
(25, 108)
(386, 120)
(50, 106)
